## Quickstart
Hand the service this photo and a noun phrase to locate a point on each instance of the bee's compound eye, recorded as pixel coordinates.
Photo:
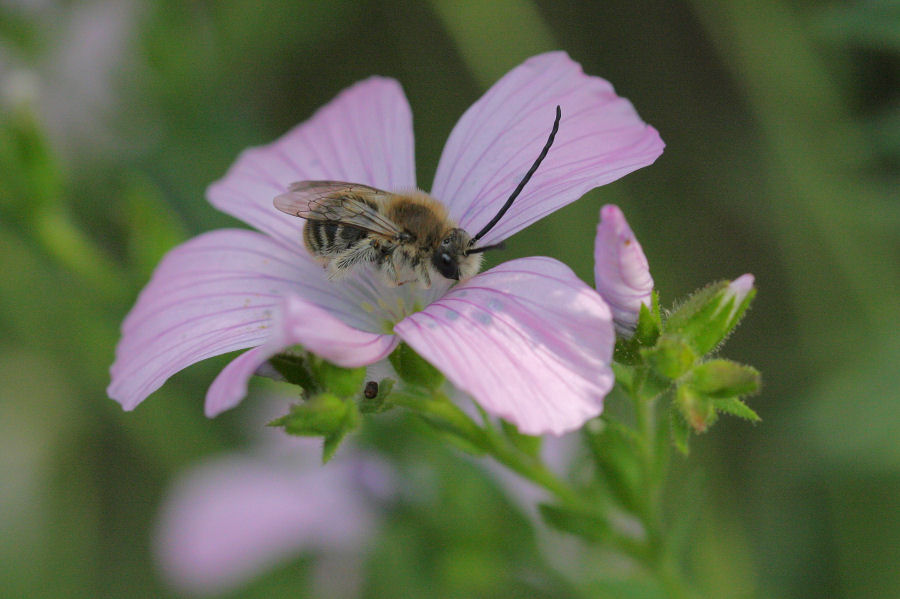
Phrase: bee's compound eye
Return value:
(446, 242)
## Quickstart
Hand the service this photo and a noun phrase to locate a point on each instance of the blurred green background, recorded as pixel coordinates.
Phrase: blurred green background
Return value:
(782, 124)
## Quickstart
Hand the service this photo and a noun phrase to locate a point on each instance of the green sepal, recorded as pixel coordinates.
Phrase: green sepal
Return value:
(682, 315)
(295, 369)
(343, 382)
(322, 415)
(527, 444)
(735, 407)
(628, 350)
(649, 323)
(332, 442)
(671, 357)
(413, 369)
(680, 431)
(698, 409)
(589, 525)
(724, 378)
(379, 403)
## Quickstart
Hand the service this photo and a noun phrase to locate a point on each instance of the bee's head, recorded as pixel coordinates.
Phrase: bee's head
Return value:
(451, 259)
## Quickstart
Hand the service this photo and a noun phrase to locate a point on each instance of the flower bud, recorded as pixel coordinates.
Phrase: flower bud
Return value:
(621, 273)
(710, 314)
(724, 378)
(698, 410)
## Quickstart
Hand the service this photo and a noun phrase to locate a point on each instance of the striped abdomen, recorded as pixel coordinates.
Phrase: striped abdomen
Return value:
(326, 239)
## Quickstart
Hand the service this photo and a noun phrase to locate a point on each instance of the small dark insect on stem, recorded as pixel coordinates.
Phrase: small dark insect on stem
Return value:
(371, 390)
(522, 183)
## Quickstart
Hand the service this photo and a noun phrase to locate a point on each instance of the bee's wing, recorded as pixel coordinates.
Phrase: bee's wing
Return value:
(338, 202)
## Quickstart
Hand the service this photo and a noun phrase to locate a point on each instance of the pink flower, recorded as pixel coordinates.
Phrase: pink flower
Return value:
(230, 518)
(621, 273)
(528, 340)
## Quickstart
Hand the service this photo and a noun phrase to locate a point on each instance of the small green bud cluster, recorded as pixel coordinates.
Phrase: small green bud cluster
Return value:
(332, 398)
(675, 352)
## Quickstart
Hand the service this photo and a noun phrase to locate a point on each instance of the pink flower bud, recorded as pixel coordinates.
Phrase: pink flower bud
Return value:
(621, 273)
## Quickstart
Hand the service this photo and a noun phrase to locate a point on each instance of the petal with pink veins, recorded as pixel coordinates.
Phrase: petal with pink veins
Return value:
(211, 295)
(363, 136)
(600, 139)
(527, 339)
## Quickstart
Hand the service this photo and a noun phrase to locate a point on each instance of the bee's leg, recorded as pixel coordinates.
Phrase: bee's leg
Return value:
(344, 262)
(424, 277)
(389, 272)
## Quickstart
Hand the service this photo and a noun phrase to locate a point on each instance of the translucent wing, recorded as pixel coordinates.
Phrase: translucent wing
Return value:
(349, 204)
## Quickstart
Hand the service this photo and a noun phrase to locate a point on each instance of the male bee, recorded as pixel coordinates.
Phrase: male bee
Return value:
(406, 236)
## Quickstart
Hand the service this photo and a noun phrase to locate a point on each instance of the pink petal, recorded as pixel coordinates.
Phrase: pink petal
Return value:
(621, 273)
(363, 136)
(600, 139)
(527, 339)
(212, 295)
(298, 322)
(231, 519)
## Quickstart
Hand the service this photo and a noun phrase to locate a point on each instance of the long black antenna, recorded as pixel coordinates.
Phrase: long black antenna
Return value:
(523, 182)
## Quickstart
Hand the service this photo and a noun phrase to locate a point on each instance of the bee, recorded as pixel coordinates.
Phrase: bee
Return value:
(408, 237)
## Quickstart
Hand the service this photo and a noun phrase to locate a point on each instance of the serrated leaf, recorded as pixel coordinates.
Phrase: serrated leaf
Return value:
(735, 407)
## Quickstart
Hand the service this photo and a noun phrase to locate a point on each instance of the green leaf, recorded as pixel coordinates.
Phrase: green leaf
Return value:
(413, 369)
(735, 407)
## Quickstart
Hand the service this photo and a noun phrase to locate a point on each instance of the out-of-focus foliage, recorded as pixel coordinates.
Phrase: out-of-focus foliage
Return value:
(782, 123)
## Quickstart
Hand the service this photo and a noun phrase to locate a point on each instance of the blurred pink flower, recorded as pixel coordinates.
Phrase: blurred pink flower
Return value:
(621, 273)
(230, 518)
(528, 340)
